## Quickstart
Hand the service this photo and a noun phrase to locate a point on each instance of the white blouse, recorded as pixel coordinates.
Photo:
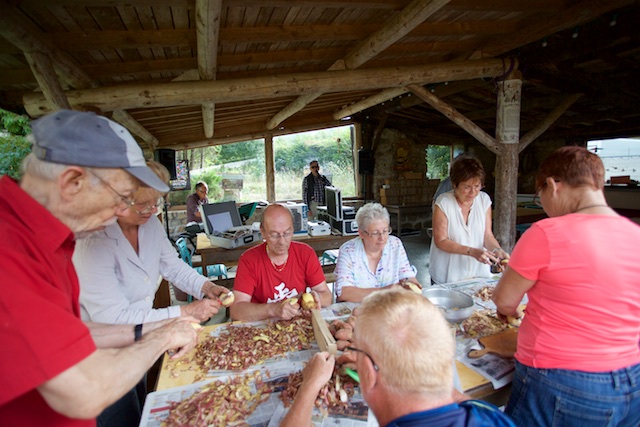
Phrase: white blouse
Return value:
(446, 267)
(118, 286)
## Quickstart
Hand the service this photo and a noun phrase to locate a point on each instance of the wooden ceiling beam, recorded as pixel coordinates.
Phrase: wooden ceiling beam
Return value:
(400, 103)
(456, 117)
(47, 79)
(126, 120)
(578, 14)
(33, 42)
(76, 41)
(28, 38)
(534, 133)
(188, 93)
(396, 28)
(208, 28)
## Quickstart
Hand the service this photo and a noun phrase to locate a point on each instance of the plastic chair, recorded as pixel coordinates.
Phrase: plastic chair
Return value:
(219, 270)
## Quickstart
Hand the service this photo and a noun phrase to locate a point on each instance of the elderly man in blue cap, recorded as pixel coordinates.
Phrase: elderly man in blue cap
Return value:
(57, 370)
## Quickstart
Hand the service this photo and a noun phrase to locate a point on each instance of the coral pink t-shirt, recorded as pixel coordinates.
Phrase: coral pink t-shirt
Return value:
(584, 309)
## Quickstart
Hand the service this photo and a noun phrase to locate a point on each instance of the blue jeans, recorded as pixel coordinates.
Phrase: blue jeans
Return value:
(126, 411)
(564, 398)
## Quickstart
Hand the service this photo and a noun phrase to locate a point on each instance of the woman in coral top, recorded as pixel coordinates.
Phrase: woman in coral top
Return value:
(578, 360)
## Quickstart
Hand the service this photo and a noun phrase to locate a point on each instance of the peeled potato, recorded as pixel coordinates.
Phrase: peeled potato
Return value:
(227, 299)
(196, 326)
(415, 288)
(293, 301)
(308, 302)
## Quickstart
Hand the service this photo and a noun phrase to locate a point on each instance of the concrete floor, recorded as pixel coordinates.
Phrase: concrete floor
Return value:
(417, 248)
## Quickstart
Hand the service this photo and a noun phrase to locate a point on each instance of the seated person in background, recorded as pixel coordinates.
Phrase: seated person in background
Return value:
(196, 199)
(372, 261)
(463, 244)
(119, 267)
(272, 273)
(405, 368)
(444, 187)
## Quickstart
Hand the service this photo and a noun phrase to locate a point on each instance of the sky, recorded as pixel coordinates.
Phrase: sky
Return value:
(616, 147)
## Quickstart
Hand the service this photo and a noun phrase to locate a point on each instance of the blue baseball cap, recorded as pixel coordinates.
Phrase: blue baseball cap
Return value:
(86, 139)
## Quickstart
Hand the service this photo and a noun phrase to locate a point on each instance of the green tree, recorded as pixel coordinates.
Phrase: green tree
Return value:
(438, 159)
(14, 145)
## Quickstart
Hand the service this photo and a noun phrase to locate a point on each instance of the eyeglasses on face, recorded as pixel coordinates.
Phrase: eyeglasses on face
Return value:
(366, 354)
(536, 198)
(315, 167)
(274, 237)
(128, 202)
(377, 234)
(144, 208)
(468, 188)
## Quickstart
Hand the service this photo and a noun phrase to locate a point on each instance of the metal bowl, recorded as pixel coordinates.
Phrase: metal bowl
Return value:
(454, 306)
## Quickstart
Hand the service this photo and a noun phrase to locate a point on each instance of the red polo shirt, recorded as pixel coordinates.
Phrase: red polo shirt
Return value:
(40, 326)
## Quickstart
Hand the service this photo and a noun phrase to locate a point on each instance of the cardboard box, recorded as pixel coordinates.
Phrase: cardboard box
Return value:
(300, 212)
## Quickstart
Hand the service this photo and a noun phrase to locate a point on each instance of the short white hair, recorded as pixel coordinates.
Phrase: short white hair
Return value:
(369, 213)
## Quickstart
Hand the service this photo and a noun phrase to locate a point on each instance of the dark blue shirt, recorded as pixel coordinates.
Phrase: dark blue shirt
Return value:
(470, 413)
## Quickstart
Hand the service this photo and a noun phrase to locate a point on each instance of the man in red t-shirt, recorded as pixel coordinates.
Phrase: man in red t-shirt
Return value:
(57, 370)
(272, 273)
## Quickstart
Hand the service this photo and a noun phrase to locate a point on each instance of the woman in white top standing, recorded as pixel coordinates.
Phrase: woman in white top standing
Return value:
(463, 245)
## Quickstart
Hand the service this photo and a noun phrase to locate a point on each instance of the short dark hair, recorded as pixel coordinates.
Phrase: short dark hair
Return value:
(575, 166)
(465, 168)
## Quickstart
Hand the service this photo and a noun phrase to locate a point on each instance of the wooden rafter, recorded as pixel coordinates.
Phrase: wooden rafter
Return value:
(208, 28)
(189, 93)
(399, 26)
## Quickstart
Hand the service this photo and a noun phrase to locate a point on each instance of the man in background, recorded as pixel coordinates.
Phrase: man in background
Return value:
(57, 370)
(196, 199)
(313, 189)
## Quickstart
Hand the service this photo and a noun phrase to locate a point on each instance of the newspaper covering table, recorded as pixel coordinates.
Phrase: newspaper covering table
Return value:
(496, 369)
(269, 413)
(273, 371)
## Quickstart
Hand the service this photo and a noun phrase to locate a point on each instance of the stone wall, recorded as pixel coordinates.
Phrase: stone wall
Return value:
(400, 176)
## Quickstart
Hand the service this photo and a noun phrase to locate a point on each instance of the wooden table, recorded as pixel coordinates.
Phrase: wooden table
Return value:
(400, 210)
(217, 255)
(529, 215)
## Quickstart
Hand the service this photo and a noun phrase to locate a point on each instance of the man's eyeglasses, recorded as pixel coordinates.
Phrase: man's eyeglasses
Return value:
(377, 234)
(366, 354)
(145, 209)
(315, 167)
(274, 237)
(125, 200)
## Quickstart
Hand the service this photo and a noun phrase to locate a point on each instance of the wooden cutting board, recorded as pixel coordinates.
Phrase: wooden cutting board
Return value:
(502, 344)
(325, 340)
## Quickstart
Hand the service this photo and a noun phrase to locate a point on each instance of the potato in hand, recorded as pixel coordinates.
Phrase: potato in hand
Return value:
(308, 302)
(227, 299)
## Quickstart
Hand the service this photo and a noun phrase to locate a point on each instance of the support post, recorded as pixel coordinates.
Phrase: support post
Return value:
(506, 171)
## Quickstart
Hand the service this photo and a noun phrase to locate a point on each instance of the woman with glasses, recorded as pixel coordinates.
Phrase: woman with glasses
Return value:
(463, 244)
(119, 267)
(374, 260)
(577, 359)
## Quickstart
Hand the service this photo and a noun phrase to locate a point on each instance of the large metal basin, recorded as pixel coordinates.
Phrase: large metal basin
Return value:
(455, 306)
